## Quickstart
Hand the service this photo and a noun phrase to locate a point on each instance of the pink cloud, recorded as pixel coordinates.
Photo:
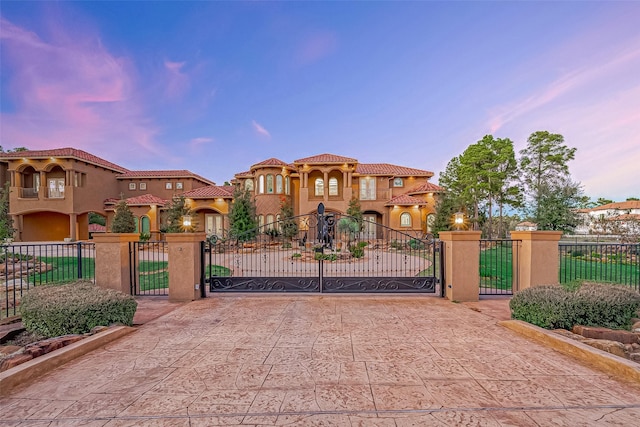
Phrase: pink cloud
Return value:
(177, 81)
(316, 47)
(260, 130)
(68, 90)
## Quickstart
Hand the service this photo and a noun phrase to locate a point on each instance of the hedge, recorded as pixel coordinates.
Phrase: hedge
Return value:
(591, 304)
(74, 308)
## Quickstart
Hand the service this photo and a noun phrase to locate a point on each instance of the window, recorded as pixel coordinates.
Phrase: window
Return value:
(261, 184)
(261, 222)
(367, 188)
(56, 188)
(270, 224)
(333, 186)
(319, 187)
(278, 223)
(145, 224)
(397, 182)
(287, 185)
(248, 185)
(168, 186)
(279, 184)
(214, 224)
(143, 185)
(178, 186)
(405, 219)
(132, 186)
(36, 181)
(270, 184)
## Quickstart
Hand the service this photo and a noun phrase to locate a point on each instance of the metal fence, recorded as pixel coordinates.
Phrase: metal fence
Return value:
(23, 266)
(498, 266)
(600, 262)
(149, 268)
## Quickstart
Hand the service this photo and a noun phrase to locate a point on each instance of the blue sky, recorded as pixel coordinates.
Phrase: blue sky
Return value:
(215, 87)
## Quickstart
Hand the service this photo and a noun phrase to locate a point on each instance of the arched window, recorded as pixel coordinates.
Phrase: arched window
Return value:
(333, 186)
(270, 184)
(270, 223)
(405, 219)
(261, 184)
(278, 223)
(248, 185)
(261, 222)
(319, 187)
(287, 185)
(279, 184)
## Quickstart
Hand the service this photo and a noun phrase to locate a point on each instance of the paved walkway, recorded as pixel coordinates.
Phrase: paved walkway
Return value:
(323, 361)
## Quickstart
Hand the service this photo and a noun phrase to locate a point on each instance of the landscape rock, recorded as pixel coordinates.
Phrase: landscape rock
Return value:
(625, 337)
(14, 361)
(613, 347)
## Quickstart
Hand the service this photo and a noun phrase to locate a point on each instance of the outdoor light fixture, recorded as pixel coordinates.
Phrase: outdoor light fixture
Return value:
(186, 221)
(458, 220)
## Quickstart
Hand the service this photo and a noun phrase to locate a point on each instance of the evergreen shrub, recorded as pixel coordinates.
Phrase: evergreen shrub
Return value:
(591, 304)
(74, 308)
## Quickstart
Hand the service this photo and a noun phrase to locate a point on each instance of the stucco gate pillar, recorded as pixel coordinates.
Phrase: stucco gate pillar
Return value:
(184, 265)
(539, 259)
(112, 260)
(462, 264)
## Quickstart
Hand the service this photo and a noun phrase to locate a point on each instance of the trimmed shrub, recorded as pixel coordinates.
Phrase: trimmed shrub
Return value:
(591, 304)
(544, 306)
(74, 308)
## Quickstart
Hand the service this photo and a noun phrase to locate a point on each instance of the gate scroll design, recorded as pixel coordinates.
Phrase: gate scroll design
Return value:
(328, 254)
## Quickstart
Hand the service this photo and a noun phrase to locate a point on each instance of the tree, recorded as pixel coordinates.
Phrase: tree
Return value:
(355, 211)
(176, 212)
(95, 218)
(543, 170)
(602, 201)
(556, 209)
(242, 216)
(288, 224)
(123, 220)
(6, 221)
(445, 208)
(632, 199)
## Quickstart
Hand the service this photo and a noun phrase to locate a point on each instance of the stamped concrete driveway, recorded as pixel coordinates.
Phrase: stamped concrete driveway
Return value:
(323, 361)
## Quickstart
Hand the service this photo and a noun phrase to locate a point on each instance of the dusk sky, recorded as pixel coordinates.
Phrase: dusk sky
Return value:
(215, 87)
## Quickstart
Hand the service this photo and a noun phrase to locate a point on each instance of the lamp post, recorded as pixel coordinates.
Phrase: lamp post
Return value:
(186, 222)
(458, 221)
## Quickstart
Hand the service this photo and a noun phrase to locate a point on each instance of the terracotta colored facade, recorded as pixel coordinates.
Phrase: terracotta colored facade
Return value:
(52, 192)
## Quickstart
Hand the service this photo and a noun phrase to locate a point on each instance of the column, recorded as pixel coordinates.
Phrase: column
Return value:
(112, 260)
(462, 265)
(73, 219)
(539, 263)
(184, 265)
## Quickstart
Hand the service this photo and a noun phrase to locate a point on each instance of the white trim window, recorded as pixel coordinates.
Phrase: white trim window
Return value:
(333, 186)
(132, 186)
(261, 184)
(143, 185)
(367, 188)
(270, 184)
(398, 182)
(405, 219)
(279, 184)
(319, 186)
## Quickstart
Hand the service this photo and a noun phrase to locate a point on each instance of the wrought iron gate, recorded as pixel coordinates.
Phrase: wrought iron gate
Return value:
(324, 252)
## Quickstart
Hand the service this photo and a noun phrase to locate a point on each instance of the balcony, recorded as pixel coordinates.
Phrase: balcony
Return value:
(54, 193)
(28, 193)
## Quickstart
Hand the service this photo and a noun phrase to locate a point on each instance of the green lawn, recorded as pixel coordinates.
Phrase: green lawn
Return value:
(576, 269)
(64, 269)
(153, 275)
(496, 266)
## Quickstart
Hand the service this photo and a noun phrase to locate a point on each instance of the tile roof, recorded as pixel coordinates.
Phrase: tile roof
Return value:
(631, 204)
(210, 192)
(97, 228)
(144, 200)
(405, 200)
(326, 158)
(245, 174)
(68, 152)
(271, 162)
(389, 170)
(625, 217)
(164, 174)
(427, 187)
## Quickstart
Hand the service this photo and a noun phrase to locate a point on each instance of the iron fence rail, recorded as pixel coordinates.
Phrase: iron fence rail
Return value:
(600, 262)
(23, 266)
(499, 259)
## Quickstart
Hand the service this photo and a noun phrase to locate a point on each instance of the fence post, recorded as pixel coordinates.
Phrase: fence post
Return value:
(112, 260)
(462, 264)
(184, 265)
(539, 261)
(79, 253)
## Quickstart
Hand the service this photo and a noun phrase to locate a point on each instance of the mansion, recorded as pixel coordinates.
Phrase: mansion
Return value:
(52, 193)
